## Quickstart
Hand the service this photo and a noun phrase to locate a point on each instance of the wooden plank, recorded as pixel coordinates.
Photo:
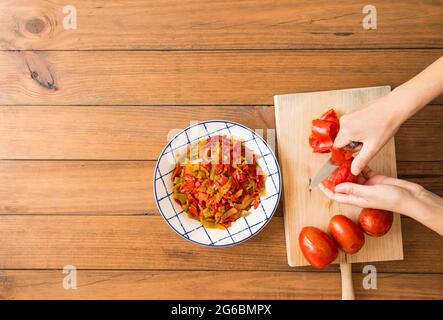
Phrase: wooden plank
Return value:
(57, 132)
(305, 207)
(76, 187)
(138, 133)
(195, 78)
(117, 187)
(256, 24)
(412, 135)
(420, 169)
(48, 284)
(146, 242)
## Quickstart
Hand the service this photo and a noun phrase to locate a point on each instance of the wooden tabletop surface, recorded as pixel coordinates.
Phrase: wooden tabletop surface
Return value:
(85, 113)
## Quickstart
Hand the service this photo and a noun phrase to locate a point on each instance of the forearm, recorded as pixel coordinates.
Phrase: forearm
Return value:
(426, 208)
(414, 94)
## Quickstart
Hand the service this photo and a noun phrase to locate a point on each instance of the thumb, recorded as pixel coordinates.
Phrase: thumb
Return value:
(362, 159)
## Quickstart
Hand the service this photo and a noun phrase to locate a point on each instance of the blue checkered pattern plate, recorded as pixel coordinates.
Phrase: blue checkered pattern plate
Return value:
(243, 228)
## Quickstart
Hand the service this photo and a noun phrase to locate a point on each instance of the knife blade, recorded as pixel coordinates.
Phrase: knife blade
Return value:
(324, 172)
(329, 166)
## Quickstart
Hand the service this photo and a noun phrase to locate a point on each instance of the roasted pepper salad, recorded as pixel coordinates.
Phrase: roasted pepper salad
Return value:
(217, 180)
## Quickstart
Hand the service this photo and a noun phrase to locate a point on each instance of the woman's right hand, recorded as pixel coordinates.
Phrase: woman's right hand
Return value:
(373, 125)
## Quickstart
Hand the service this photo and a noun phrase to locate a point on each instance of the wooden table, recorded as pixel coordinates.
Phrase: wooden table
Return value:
(85, 113)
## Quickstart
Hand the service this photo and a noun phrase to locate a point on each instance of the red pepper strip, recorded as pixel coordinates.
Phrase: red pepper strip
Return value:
(193, 210)
(176, 172)
(340, 175)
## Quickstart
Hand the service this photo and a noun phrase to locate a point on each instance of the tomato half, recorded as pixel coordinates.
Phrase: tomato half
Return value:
(346, 234)
(376, 222)
(340, 175)
(317, 247)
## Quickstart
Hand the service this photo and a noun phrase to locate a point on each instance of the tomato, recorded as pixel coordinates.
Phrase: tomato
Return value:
(375, 222)
(346, 234)
(320, 145)
(330, 115)
(340, 175)
(317, 247)
(324, 130)
(339, 156)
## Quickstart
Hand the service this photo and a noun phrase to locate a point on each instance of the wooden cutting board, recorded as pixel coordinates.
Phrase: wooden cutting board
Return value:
(302, 207)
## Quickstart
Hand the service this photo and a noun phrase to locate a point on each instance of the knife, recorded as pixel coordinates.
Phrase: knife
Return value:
(329, 166)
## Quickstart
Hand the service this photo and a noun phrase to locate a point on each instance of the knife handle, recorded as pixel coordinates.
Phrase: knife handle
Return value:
(353, 146)
(347, 287)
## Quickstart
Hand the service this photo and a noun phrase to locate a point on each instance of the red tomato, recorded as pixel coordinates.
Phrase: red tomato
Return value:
(346, 233)
(317, 247)
(330, 115)
(324, 131)
(320, 145)
(340, 175)
(376, 222)
(339, 156)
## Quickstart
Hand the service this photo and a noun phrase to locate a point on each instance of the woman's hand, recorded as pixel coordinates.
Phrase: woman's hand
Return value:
(377, 122)
(373, 125)
(381, 192)
(374, 191)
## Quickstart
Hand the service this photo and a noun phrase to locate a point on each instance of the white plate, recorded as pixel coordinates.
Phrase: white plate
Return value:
(243, 228)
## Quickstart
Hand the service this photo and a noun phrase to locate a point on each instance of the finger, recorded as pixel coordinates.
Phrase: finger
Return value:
(410, 186)
(341, 139)
(344, 198)
(362, 159)
(354, 189)
(350, 199)
(326, 191)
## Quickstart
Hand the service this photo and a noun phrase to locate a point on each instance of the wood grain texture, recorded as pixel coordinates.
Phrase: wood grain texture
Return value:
(30, 284)
(77, 187)
(139, 133)
(146, 242)
(117, 187)
(195, 78)
(253, 24)
(304, 207)
(412, 136)
(94, 132)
